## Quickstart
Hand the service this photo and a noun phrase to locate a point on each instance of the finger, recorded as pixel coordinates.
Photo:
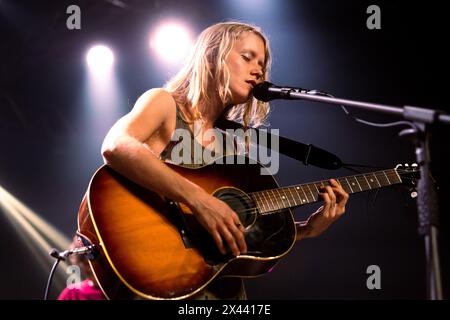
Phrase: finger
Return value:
(342, 196)
(332, 210)
(218, 240)
(237, 222)
(238, 235)
(335, 183)
(326, 204)
(330, 192)
(238, 230)
(226, 234)
(340, 207)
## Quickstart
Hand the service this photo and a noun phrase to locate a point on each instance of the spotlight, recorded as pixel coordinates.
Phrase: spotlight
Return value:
(100, 58)
(171, 42)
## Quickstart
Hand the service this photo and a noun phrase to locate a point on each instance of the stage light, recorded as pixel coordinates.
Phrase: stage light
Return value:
(171, 42)
(103, 103)
(38, 235)
(100, 58)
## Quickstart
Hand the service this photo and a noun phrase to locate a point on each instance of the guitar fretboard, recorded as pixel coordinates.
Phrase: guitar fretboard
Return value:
(268, 201)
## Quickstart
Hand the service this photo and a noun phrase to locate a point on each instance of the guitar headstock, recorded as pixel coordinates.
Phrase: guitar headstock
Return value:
(409, 175)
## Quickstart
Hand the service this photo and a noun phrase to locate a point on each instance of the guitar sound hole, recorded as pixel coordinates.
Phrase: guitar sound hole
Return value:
(240, 202)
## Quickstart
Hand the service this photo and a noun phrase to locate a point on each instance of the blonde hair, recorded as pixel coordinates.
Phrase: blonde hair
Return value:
(206, 63)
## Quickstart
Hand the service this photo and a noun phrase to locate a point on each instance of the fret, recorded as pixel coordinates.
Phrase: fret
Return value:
(393, 176)
(351, 189)
(317, 189)
(259, 201)
(381, 178)
(284, 197)
(368, 184)
(344, 184)
(355, 185)
(305, 197)
(264, 201)
(271, 200)
(306, 194)
(361, 182)
(379, 185)
(298, 195)
(294, 199)
(292, 195)
(254, 197)
(372, 182)
(277, 199)
(341, 183)
(387, 177)
(312, 194)
(265, 194)
(397, 178)
(302, 199)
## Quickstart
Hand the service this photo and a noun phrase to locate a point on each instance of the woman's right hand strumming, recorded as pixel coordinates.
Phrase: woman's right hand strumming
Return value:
(220, 221)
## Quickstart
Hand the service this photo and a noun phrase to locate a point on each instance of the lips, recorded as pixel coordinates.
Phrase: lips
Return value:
(251, 82)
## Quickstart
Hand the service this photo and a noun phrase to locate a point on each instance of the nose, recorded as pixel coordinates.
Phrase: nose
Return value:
(257, 71)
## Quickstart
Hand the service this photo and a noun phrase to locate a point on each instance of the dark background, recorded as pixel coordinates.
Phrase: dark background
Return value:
(50, 143)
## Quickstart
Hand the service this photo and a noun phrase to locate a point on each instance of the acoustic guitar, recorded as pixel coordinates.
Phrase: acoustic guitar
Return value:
(149, 247)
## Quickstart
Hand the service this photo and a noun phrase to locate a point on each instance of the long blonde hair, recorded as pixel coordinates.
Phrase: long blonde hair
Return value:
(206, 63)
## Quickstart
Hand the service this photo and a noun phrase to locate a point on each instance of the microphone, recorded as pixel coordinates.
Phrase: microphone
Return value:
(87, 250)
(266, 91)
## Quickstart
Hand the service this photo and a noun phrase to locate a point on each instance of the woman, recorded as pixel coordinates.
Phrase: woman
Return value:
(228, 60)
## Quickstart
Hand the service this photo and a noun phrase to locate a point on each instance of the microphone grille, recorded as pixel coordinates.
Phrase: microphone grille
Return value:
(261, 91)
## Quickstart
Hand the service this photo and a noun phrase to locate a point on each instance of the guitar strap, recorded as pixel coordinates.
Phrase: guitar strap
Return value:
(306, 153)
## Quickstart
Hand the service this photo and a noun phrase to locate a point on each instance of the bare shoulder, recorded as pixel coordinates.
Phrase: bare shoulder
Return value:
(153, 111)
(155, 108)
(156, 100)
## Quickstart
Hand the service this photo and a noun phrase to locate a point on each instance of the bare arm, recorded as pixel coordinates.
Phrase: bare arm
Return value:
(125, 151)
(123, 148)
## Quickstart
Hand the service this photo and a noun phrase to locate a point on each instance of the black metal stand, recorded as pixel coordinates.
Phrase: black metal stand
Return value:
(428, 212)
(427, 203)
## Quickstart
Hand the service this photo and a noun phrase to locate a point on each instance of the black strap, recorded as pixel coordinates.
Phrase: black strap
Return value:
(306, 153)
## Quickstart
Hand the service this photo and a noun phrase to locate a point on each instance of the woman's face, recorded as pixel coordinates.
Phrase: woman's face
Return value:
(245, 63)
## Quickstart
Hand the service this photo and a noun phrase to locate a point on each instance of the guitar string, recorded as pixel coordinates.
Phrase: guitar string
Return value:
(277, 199)
(268, 197)
(235, 200)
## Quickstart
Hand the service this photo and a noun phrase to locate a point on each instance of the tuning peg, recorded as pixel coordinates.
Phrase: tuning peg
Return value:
(413, 193)
(406, 165)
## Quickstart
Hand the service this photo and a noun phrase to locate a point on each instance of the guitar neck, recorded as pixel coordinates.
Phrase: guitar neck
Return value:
(268, 201)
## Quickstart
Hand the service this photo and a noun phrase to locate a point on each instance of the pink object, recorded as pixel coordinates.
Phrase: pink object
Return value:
(85, 290)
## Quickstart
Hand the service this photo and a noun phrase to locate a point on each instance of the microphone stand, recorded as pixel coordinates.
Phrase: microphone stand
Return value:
(427, 203)
(62, 256)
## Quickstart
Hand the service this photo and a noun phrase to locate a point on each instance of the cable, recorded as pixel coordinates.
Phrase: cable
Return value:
(55, 254)
(374, 124)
